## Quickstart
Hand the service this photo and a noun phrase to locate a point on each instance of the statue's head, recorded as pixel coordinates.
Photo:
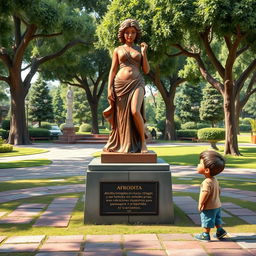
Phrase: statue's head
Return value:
(126, 24)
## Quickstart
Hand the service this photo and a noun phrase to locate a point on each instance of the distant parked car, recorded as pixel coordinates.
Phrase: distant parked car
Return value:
(55, 130)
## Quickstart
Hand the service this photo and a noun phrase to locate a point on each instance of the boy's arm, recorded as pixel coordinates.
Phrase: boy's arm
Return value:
(203, 197)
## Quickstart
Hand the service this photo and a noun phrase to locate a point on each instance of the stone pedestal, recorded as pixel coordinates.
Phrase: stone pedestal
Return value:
(69, 135)
(128, 193)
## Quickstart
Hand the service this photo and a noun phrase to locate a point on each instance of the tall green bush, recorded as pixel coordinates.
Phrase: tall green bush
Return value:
(211, 135)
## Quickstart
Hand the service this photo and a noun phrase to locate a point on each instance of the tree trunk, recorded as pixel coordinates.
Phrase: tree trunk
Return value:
(94, 111)
(18, 131)
(169, 133)
(237, 114)
(231, 144)
(213, 145)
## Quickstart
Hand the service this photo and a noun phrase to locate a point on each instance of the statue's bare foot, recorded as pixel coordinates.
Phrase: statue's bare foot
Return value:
(144, 148)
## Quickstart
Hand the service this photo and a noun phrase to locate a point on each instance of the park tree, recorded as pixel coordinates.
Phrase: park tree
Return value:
(88, 71)
(211, 105)
(58, 107)
(81, 113)
(191, 26)
(40, 103)
(32, 33)
(188, 101)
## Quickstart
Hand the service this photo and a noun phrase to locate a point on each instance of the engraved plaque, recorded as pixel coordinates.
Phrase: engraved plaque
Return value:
(129, 198)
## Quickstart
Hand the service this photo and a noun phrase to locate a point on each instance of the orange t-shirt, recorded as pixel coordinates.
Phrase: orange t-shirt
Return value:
(211, 185)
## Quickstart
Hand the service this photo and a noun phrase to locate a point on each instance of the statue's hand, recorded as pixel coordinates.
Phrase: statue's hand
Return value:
(144, 48)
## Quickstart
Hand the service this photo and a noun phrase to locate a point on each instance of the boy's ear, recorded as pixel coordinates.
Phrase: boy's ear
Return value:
(207, 170)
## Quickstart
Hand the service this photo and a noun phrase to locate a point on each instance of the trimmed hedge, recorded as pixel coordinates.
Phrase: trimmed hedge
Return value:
(4, 148)
(85, 128)
(6, 125)
(38, 132)
(46, 125)
(187, 133)
(244, 128)
(4, 134)
(189, 126)
(211, 134)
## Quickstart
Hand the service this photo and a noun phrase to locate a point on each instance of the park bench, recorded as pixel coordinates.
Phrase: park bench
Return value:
(194, 139)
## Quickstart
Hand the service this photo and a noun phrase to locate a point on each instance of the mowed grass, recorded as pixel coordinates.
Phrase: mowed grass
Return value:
(25, 163)
(58, 181)
(182, 224)
(23, 151)
(188, 155)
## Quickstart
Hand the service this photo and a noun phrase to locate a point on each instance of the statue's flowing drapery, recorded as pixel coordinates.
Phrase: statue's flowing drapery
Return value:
(124, 136)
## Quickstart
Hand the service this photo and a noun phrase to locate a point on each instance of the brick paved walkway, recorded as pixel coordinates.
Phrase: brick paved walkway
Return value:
(239, 244)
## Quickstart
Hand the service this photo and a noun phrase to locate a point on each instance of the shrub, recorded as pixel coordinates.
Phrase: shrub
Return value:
(211, 135)
(187, 133)
(1, 141)
(4, 148)
(85, 127)
(244, 128)
(202, 125)
(188, 126)
(253, 126)
(76, 128)
(6, 125)
(46, 125)
(4, 134)
(38, 132)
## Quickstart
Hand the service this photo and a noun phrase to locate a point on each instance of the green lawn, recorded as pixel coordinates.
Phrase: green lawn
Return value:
(25, 163)
(23, 151)
(181, 224)
(21, 184)
(188, 155)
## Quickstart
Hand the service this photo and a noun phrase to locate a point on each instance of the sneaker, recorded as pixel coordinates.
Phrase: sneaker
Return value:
(205, 237)
(220, 233)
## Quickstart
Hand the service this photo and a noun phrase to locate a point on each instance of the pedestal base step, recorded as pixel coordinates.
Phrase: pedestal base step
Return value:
(114, 157)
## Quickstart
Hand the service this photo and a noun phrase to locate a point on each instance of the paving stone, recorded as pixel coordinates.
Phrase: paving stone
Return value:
(195, 218)
(65, 200)
(185, 252)
(24, 212)
(2, 238)
(175, 237)
(228, 252)
(252, 251)
(100, 246)
(242, 211)
(19, 247)
(227, 244)
(140, 237)
(2, 214)
(143, 244)
(175, 245)
(225, 214)
(242, 236)
(248, 219)
(146, 253)
(247, 244)
(61, 247)
(16, 220)
(52, 222)
(24, 239)
(32, 206)
(62, 239)
(103, 238)
(107, 252)
(57, 254)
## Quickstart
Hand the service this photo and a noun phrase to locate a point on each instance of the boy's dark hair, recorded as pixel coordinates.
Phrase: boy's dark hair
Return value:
(213, 160)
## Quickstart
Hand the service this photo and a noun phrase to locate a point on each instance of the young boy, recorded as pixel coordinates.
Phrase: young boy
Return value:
(209, 206)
